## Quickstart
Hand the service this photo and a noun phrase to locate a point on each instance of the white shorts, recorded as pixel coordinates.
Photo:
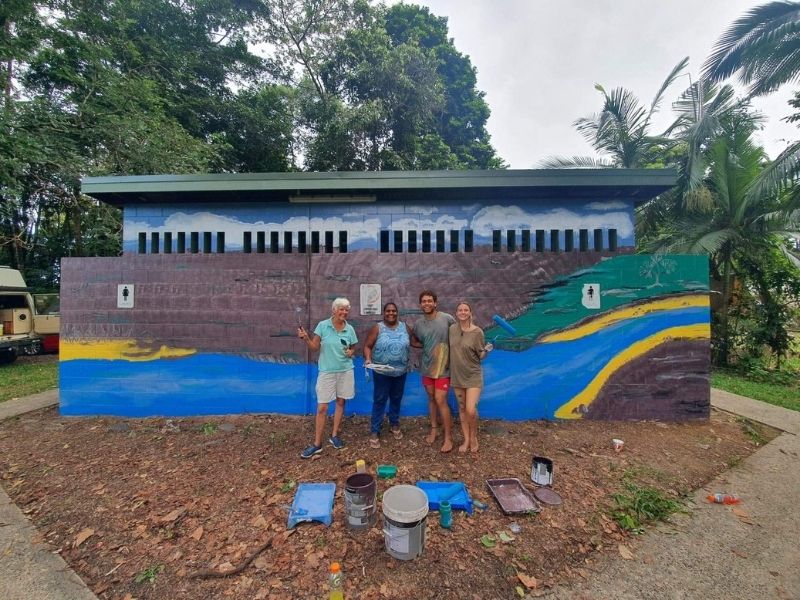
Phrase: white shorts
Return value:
(335, 385)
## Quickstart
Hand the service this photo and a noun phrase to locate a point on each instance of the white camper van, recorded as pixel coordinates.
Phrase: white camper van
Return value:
(28, 324)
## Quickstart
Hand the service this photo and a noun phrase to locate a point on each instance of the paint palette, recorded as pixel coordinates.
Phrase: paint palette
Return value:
(312, 502)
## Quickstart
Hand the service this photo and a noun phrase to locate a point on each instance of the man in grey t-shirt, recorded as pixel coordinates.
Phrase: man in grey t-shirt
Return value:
(431, 334)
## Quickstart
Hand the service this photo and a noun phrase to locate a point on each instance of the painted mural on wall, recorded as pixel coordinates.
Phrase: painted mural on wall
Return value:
(361, 222)
(215, 333)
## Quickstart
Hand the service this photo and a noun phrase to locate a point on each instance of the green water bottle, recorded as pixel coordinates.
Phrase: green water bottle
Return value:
(335, 580)
(445, 514)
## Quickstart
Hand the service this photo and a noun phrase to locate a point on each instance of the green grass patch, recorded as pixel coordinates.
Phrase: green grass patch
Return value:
(785, 394)
(637, 505)
(22, 378)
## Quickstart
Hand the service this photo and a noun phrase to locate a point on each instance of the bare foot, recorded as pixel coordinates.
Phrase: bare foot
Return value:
(447, 446)
(474, 446)
(463, 447)
(431, 437)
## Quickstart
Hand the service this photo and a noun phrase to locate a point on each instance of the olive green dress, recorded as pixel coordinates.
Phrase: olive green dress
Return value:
(465, 357)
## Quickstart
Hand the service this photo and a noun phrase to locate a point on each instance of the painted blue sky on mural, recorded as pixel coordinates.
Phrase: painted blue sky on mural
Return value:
(362, 222)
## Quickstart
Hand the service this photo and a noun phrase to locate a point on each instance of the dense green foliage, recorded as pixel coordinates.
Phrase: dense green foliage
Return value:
(135, 87)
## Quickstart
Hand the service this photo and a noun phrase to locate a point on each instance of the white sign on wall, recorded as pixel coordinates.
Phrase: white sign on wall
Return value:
(370, 299)
(125, 295)
(591, 295)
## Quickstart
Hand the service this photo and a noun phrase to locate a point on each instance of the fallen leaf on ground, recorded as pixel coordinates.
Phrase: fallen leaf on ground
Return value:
(739, 553)
(84, 535)
(528, 581)
(488, 541)
(173, 516)
(197, 533)
(625, 552)
(744, 517)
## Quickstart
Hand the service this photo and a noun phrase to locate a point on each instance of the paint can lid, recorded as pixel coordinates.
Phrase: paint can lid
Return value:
(546, 495)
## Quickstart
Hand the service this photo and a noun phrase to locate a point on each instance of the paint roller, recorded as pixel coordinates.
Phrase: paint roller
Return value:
(501, 322)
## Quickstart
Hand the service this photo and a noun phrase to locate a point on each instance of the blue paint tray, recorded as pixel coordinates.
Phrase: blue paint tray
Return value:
(454, 492)
(312, 502)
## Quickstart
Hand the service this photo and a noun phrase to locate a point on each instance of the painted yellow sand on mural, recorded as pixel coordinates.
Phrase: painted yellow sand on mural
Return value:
(130, 350)
(628, 312)
(589, 393)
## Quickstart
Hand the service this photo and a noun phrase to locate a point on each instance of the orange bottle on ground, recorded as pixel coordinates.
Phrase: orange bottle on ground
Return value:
(723, 498)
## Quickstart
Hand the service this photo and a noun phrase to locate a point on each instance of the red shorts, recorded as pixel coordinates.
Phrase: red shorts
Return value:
(440, 383)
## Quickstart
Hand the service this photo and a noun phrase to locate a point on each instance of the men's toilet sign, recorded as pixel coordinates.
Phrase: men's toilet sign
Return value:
(591, 295)
(125, 295)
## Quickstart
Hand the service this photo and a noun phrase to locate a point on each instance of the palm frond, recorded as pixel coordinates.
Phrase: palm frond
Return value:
(575, 162)
(779, 174)
(761, 46)
(676, 72)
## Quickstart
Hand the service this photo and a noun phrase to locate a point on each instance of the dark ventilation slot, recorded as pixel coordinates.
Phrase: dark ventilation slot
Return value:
(583, 239)
(511, 240)
(426, 240)
(247, 242)
(384, 241)
(206, 242)
(167, 242)
(569, 240)
(142, 243)
(554, 241)
(342, 241)
(273, 242)
(612, 239)
(154, 242)
(261, 242)
(328, 242)
(598, 239)
(497, 240)
(540, 240)
(412, 241)
(287, 242)
(181, 242)
(440, 240)
(525, 244)
(220, 242)
(194, 242)
(301, 242)
(315, 242)
(468, 240)
(398, 241)
(454, 240)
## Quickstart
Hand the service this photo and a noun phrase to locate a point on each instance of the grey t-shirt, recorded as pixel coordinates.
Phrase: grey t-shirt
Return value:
(433, 333)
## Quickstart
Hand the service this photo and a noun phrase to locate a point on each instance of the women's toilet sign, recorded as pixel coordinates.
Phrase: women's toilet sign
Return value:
(591, 295)
(125, 295)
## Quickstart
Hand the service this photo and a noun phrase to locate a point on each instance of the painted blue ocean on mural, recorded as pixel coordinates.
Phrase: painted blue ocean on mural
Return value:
(530, 384)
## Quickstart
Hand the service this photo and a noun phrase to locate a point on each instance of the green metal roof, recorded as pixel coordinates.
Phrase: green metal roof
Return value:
(638, 184)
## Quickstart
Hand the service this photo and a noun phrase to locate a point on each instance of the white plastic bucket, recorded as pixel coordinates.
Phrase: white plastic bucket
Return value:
(405, 511)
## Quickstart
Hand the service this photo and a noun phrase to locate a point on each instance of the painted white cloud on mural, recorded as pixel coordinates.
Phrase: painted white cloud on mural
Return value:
(234, 229)
(443, 222)
(610, 205)
(423, 210)
(513, 217)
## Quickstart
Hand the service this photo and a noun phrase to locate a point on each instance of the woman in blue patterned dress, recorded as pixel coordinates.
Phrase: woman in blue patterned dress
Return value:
(386, 352)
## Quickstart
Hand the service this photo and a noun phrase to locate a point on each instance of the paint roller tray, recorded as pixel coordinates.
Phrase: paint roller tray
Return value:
(513, 497)
(455, 492)
(312, 502)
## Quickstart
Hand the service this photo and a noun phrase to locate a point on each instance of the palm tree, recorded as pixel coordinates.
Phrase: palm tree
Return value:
(620, 131)
(763, 47)
(735, 224)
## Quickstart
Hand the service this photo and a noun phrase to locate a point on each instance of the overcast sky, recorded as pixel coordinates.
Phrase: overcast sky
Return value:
(538, 62)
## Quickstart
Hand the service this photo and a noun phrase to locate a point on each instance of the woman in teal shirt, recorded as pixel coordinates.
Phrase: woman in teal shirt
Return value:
(336, 341)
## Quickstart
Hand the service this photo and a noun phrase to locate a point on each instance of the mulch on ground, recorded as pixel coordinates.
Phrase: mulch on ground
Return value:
(139, 507)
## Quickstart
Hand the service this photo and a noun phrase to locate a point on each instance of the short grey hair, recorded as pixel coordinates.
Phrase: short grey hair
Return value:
(340, 303)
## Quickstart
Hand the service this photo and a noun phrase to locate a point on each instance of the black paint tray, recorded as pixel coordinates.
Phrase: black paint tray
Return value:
(512, 496)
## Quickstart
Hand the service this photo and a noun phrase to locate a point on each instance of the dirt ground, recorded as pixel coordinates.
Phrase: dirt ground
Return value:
(138, 507)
